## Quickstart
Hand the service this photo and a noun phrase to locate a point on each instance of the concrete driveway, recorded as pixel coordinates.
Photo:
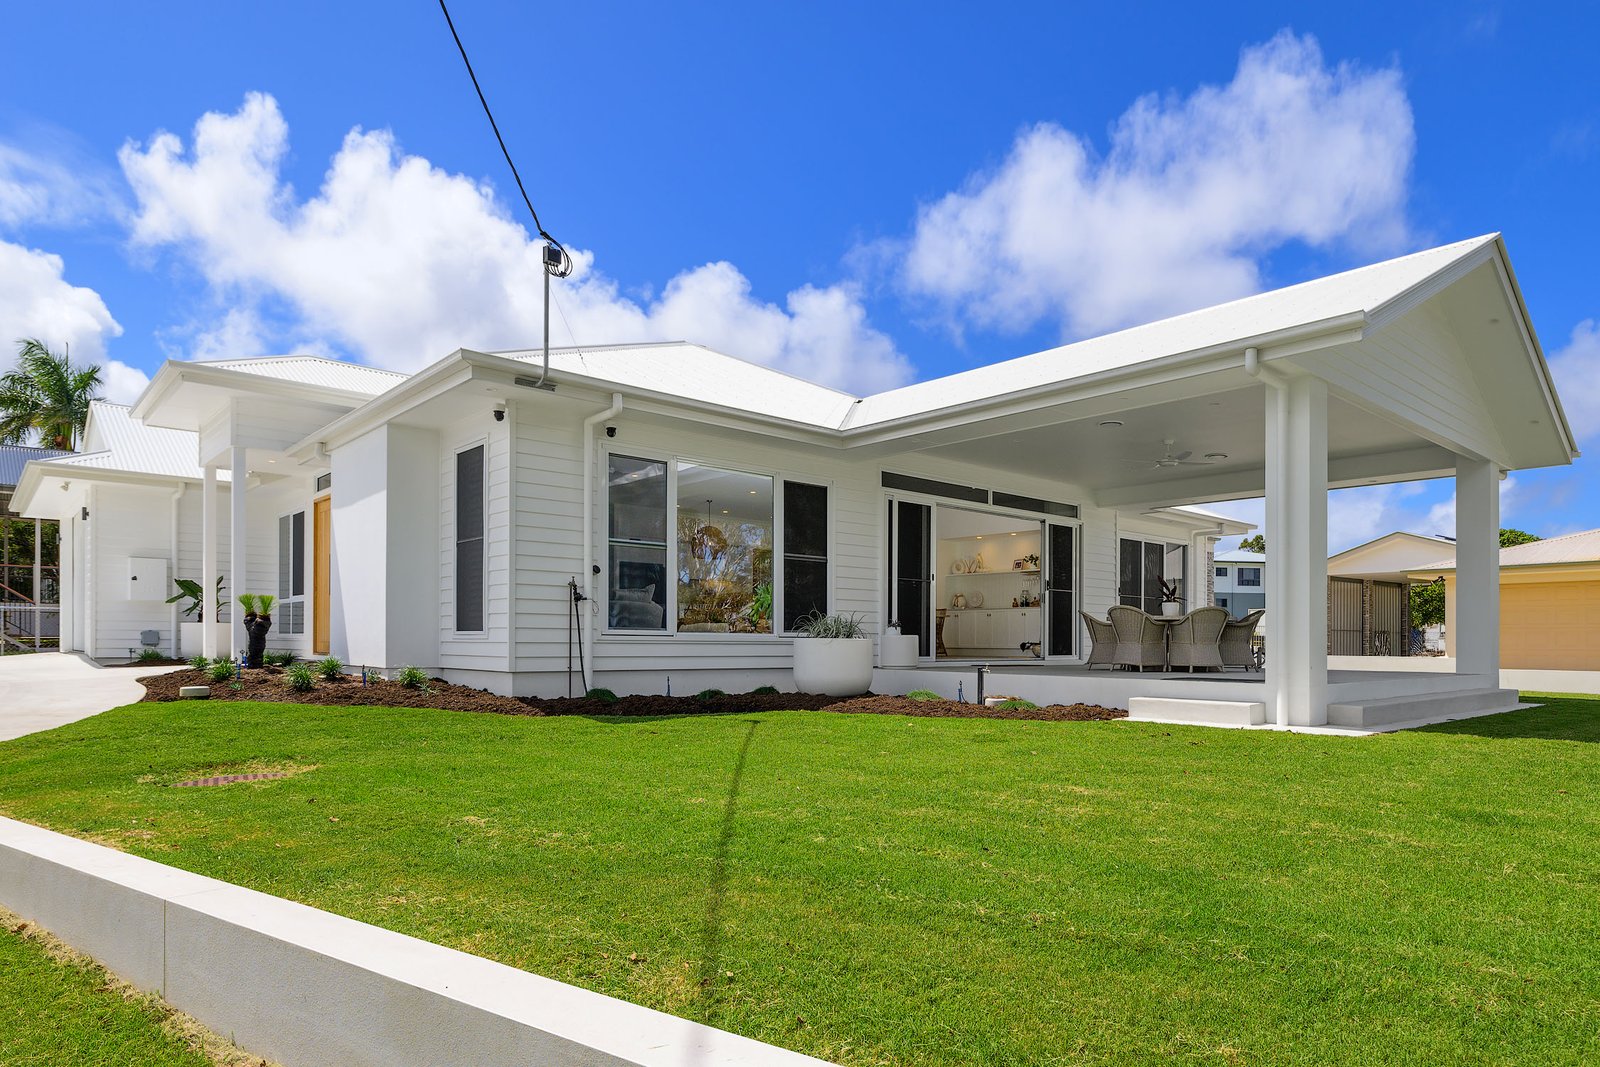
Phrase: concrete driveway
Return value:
(43, 690)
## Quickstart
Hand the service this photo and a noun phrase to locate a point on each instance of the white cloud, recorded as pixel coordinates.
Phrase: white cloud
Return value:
(1576, 368)
(36, 300)
(1178, 213)
(121, 383)
(403, 262)
(59, 187)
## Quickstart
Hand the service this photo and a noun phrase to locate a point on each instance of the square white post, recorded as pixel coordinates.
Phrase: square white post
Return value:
(208, 565)
(1297, 551)
(238, 562)
(1477, 607)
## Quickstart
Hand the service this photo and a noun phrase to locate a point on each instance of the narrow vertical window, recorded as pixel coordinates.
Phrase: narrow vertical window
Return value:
(289, 616)
(805, 552)
(469, 540)
(636, 537)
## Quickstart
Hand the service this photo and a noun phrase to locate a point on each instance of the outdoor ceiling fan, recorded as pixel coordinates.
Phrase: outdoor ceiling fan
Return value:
(1169, 459)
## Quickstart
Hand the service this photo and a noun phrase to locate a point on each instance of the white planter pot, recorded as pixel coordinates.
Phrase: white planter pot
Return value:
(835, 666)
(191, 638)
(897, 650)
(1171, 608)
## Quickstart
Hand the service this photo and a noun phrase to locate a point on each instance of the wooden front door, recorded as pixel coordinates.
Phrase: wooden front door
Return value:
(321, 581)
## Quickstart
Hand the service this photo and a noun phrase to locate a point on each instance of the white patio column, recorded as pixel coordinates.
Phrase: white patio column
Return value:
(208, 564)
(238, 561)
(1477, 607)
(1297, 552)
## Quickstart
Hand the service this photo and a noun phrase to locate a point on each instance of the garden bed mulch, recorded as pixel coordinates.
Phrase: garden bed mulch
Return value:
(269, 684)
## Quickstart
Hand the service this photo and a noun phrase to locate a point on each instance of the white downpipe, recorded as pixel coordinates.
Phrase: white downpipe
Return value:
(1277, 491)
(588, 531)
(177, 503)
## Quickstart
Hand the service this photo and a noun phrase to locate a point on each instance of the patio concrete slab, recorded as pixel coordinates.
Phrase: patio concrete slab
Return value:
(43, 690)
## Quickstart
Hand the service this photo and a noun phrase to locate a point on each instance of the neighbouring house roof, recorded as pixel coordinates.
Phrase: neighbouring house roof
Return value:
(1238, 556)
(315, 370)
(14, 457)
(1582, 547)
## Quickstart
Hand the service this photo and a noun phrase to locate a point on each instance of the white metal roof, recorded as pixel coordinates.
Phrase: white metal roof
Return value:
(315, 370)
(1582, 547)
(1240, 556)
(1364, 289)
(123, 443)
(678, 368)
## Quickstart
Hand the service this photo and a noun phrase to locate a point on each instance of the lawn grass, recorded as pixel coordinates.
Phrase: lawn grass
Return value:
(56, 1012)
(888, 890)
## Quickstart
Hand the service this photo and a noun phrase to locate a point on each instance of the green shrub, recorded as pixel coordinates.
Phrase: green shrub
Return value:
(200, 663)
(280, 657)
(1017, 704)
(604, 696)
(411, 677)
(330, 667)
(923, 694)
(247, 601)
(301, 677)
(765, 690)
(221, 671)
(709, 694)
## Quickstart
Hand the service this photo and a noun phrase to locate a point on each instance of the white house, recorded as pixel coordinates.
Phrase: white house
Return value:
(1369, 594)
(447, 519)
(1238, 581)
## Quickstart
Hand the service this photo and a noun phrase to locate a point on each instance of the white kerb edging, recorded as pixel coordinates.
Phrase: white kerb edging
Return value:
(308, 988)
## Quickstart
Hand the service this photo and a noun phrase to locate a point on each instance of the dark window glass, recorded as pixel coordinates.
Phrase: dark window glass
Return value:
(913, 571)
(1154, 556)
(291, 572)
(469, 539)
(1130, 589)
(324, 481)
(930, 487)
(1033, 503)
(636, 583)
(297, 581)
(1062, 623)
(805, 552)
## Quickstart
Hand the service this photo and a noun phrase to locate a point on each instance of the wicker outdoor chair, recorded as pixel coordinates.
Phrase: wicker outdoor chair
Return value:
(1104, 636)
(1194, 639)
(1141, 641)
(1237, 637)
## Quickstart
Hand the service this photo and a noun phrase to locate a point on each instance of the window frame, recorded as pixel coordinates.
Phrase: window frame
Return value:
(283, 616)
(1254, 581)
(672, 458)
(455, 541)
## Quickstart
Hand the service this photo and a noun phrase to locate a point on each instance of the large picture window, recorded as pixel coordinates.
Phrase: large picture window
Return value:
(469, 540)
(636, 531)
(724, 528)
(290, 616)
(805, 552)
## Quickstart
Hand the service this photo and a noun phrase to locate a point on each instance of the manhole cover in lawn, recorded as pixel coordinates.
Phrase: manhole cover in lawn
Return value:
(229, 779)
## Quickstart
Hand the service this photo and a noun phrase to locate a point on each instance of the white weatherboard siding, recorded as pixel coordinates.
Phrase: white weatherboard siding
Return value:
(125, 522)
(486, 650)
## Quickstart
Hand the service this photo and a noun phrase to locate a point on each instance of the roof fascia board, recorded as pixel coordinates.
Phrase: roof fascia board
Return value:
(1392, 534)
(38, 471)
(428, 383)
(1434, 284)
(1530, 342)
(1323, 333)
(176, 373)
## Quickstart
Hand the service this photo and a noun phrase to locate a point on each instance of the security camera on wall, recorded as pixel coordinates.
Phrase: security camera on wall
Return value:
(611, 431)
(499, 413)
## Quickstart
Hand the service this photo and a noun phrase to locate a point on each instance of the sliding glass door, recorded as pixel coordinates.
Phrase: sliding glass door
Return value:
(1061, 618)
(1141, 567)
(911, 570)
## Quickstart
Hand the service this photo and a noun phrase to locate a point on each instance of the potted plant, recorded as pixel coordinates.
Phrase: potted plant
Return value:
(1170, 606)
(257, 621)
(190, 638)
(832, 655)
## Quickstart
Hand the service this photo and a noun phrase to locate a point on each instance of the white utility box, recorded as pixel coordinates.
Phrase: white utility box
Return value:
(147, 578)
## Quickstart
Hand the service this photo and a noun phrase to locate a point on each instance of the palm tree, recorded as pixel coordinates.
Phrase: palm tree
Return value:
(46, 395)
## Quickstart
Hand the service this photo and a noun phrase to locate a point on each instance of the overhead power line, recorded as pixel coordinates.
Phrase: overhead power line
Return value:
(496, 127)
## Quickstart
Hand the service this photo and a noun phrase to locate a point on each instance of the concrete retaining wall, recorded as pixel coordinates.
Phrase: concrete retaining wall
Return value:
(1527, 680)
(308, 988)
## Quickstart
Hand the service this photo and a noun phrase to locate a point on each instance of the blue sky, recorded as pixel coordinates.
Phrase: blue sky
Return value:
(863, 194)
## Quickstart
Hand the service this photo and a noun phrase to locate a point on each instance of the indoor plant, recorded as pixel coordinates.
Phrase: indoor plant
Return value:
(1170, 604)
(832, 655)
(190, 638)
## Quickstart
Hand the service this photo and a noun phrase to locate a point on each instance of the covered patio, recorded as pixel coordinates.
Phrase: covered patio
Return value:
(1379, 375)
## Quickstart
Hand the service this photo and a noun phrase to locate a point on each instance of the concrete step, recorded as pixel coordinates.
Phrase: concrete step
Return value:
(1374, 714)
(1199, 712)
